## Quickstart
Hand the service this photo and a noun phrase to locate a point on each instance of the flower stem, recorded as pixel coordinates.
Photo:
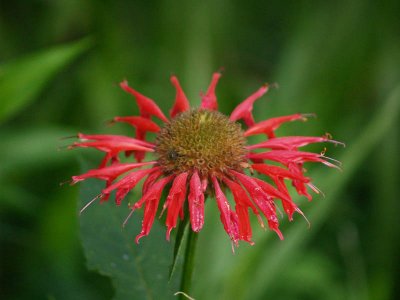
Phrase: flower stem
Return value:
(188, 264)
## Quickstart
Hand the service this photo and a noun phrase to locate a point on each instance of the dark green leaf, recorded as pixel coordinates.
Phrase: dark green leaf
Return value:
(137, 271)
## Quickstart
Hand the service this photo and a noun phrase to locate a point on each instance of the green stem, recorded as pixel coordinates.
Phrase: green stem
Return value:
(188, 264)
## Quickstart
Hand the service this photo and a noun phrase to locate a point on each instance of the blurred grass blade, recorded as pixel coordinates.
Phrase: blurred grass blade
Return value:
(264, 263)
(22, 80)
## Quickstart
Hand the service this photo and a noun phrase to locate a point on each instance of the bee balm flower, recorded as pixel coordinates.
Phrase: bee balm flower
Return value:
(200, 152)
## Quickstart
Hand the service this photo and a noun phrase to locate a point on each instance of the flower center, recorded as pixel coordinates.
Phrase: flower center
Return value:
(203, 140)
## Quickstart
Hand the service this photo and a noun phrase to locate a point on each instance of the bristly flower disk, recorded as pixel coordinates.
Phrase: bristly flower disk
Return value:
(200, 152)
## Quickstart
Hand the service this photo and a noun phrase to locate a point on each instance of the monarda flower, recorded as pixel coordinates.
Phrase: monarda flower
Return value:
(200, 153)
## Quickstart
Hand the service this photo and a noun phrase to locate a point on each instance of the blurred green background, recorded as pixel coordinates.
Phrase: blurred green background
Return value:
(60, 64)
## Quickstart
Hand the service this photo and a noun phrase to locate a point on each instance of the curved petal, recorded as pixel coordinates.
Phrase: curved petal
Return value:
(209, 100)
(181, 102)
(196, 203)
(147, 106)
(244, 109)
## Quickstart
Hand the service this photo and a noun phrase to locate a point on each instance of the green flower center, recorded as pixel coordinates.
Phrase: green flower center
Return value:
(203, 140)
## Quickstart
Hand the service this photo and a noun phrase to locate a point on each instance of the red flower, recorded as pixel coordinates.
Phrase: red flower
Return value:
(200, 152)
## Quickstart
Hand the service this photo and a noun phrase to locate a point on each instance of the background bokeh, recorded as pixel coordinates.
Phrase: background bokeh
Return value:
(60, 64)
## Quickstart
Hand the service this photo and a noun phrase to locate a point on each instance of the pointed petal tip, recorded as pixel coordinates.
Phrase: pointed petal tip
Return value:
(168, 233)
(128, 217)
(138, 237)
(279, 233)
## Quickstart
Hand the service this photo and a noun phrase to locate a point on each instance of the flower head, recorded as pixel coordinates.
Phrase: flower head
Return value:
(200, 152)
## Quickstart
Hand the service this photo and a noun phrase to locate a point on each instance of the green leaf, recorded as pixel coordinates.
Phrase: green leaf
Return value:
(137, 271)
(22, 80)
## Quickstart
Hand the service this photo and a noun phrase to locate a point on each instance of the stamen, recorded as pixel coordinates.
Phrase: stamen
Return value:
(184, 294)
(128, 217)
(309, 115)
(304, 216)
(261, 222)
(316, 189)
(65, 182)
(90, 202)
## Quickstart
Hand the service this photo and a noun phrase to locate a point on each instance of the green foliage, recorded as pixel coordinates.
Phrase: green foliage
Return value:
(137, 271)
(339, 60)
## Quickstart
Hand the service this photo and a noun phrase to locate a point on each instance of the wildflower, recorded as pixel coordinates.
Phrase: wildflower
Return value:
(200, 152)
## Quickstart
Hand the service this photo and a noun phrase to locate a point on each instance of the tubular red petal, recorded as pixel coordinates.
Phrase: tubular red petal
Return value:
(153, 176)
(204, 184)
(287, 157)
(196, 203)
(262, 200)
(269, 126)
(288, 143)
(147, 106)
(244, 109)
(126, 184)
(113, 138)
(140, 123)
(151, 200)
(239, 195)
(107, 146)
(225, 212)
(209, 100)
(297, 168)
(109, 173)
(275, 171)
(245, 232)
(242, 201)
(175, 200)
(156, 188)
(181, 102)
(270, 190)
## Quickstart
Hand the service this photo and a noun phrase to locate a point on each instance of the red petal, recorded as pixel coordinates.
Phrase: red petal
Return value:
(151, 200)
(275, 171)
(239, 194)
(245, 232)
(209, 100)
(242, 201)
(225, 212)
(287, 157)
(288, 206)
(196, 203)
(288, 143)
(126, 184)
(269, 126)
(262, 200)
(112, 146)
(140, 123)
(175, 200)
(147, 106)
(109, 173)
(153, 176)
(297, 168)
(181, 102)
(111, 137)
(244, 109)
(271, 191)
